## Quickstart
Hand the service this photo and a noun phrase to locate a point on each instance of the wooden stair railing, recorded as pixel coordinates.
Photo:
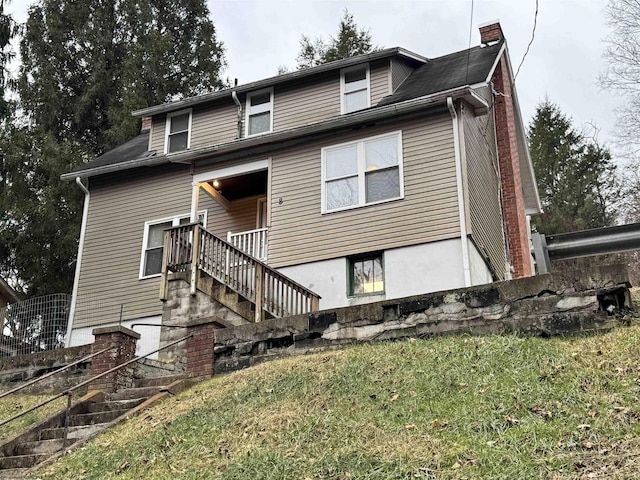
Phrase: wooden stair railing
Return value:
(190, 248)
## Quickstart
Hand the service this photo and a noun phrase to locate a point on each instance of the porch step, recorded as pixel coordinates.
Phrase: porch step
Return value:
(22, 461)
(94, 418)
(114, 405)
(13, 473)
(233, 301)
(75, 433)
(158, 381)
(47, 447)
(134, 393)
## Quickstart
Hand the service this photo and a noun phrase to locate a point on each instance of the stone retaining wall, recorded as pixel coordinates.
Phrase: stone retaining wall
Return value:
(22, 368)
(542, 305)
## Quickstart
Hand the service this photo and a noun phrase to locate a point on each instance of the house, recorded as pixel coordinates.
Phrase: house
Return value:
(374, 177)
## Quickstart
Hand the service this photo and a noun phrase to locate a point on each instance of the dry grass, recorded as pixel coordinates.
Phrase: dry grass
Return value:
(456, 407)
(14, 404)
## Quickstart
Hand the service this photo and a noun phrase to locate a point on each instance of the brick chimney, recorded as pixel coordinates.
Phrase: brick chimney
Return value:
(490, 32)
(513, 210)
(146, 124)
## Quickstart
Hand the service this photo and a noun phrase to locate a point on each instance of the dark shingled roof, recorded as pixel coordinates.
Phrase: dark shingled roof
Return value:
(444, 73)
(437, 75)
(133, 149)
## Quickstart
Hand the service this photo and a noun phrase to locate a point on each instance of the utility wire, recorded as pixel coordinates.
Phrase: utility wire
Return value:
(466, 75)
(533, 35)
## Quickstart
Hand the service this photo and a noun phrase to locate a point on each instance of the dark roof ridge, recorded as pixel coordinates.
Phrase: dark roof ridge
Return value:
(277, 79)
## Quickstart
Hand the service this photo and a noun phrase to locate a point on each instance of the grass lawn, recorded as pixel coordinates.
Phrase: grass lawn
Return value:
(445, 408)
(14, 404)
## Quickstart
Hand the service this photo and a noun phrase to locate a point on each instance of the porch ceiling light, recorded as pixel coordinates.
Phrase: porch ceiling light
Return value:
(216, 184)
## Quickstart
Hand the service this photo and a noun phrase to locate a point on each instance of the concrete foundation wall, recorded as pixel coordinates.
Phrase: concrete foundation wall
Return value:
(149, 334)
(408, 271)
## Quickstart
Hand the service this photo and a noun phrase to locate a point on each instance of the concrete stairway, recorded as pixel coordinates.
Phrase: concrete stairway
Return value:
(90, 415)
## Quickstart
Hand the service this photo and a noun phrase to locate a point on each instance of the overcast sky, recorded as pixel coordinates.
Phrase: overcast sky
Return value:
(563, 63)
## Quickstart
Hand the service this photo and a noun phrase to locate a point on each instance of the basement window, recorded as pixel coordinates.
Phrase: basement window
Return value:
(366, 275)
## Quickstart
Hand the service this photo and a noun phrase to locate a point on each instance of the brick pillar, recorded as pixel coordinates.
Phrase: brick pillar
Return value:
(123, 348)
(199, 349)
(512, 197)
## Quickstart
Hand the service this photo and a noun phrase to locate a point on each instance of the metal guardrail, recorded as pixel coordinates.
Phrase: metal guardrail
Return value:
(584, 243)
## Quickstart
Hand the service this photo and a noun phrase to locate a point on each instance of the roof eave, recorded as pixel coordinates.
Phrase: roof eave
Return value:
(278, 79)
(345, 121)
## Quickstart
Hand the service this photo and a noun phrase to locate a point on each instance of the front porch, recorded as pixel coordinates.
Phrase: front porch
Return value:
(230, 275)
(234, 206)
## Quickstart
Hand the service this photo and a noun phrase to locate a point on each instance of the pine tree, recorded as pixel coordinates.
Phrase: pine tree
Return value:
(350, 41)
(576, 176)
(86, 65)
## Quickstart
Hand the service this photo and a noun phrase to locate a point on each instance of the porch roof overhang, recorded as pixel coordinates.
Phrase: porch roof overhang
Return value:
(425, 105)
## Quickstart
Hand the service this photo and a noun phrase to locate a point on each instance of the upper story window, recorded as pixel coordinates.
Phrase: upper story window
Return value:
(363, 172)
(178, 131)
(354, 88)
(259, 117)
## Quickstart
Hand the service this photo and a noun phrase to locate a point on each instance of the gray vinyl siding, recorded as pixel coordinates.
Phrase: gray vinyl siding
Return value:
(213, 125)
(401, 68)
(299, 233)
(483, 187)
(379, 81)
(118, 209)
(306, 102)
(158, 128)
(294, 105)
(242, 215)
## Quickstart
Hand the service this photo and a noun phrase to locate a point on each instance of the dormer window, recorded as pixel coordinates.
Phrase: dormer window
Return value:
(178, 131)
(354, 87)
(259, 118)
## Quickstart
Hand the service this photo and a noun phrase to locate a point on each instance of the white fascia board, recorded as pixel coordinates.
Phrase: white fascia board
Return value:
(231, 171)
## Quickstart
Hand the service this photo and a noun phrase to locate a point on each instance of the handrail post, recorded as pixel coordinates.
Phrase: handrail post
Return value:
(259, 313)
(195, 256)
(164, 279)
(66, 420)
(315, 303)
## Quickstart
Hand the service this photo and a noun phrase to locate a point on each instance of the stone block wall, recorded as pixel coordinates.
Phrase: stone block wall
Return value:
(543, 305)
(23, 368)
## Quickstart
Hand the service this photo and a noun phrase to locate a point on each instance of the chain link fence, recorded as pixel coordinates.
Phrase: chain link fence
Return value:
(34, 325)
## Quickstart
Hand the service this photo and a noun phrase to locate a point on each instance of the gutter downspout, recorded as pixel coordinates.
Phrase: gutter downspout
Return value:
(463, 221)
(234, 95)
(76, 278)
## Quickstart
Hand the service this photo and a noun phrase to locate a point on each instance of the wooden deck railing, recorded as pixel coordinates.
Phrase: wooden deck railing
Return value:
(253, 242)
(191, 248)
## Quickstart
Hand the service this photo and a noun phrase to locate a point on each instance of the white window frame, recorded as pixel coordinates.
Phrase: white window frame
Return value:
(361, 163)
(262, 108)
(167, 129)
(175, 221)
(343, 87)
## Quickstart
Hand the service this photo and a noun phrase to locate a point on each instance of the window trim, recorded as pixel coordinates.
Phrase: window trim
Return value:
(248, 113)
(167, 129)
(361, 257)
(343, 87)
(175, 221)
(361, 163)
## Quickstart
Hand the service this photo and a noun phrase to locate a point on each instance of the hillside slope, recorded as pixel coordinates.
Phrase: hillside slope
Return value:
(452, 407)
